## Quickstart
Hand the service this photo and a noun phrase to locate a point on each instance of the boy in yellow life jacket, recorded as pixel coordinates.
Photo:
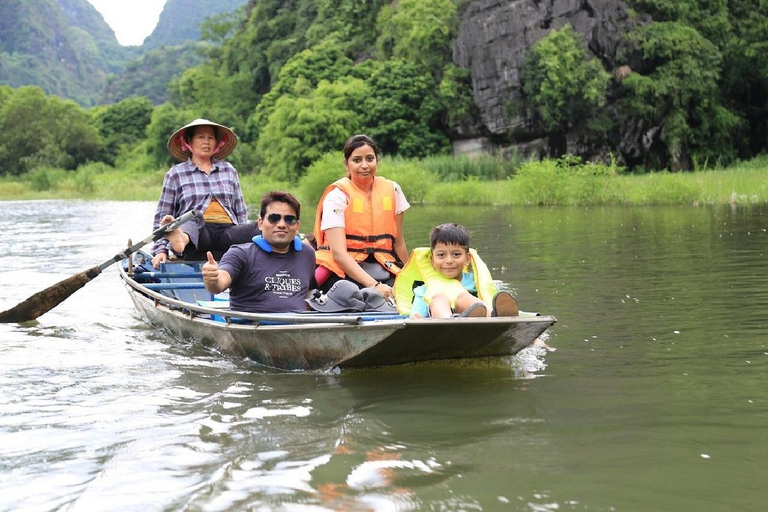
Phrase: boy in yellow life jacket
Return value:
(456, 281)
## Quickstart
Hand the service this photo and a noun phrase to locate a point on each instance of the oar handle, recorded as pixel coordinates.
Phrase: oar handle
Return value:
(167, 228)
(49, 298)
(156, 235)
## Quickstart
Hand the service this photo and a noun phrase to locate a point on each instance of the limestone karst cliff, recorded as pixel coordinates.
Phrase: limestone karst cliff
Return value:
(494, 37)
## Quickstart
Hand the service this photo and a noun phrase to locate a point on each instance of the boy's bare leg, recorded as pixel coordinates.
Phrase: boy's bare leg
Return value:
(465, 300)
(177, 237)
(440, 307)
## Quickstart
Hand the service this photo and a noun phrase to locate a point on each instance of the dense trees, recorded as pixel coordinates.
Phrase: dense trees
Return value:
(680, 92)
(295, 78)
(564, 85)
(122, 124)
(40, 130)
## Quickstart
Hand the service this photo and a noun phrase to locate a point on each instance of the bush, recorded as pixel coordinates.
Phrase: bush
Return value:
(461, 167)
(255, 186)
(43, 179)
(320, 174)
(84, 180)
(415, 180)
(568, 180)
(539, 183)
(667, 188)
(467, 192)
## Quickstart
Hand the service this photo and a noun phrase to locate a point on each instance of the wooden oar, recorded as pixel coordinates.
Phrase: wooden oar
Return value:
(44, 301)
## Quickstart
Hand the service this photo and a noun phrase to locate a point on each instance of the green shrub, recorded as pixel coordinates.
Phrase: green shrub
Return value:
(415, 180)
(320, 174)
(45, 178)
(84, 180)
(668, 188)
(467, 192)
(540, 183)
(460, 167)
(95, 168)
(254, 186)
(11, 189)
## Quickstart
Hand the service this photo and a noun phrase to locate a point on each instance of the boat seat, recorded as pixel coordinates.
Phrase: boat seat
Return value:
(180, 285)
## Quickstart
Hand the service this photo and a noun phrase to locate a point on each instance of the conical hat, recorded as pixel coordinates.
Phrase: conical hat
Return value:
(226, 135)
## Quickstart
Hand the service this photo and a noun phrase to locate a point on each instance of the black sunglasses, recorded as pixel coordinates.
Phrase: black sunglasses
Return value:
(274, 218)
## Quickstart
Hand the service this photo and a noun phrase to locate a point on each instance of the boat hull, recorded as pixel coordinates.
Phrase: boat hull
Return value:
(305, 342)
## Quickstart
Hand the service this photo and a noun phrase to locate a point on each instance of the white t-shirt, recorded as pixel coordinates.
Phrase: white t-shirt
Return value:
(335, 204)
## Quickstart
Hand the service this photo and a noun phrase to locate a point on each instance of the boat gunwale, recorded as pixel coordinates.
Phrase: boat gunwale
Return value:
(300, 320)
(296, 318)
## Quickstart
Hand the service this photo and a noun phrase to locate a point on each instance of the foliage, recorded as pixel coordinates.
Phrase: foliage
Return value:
(180, 20)
(122, 124)
(63, 47)
(483, 167)
(274, 31)
(300, 75)
(41, 130)
(456, 95)
(255, 186)
(562, 84)
(681, 91)
(227, 100)
(40, 179)
(699, 75)
(459, 193)
(414, 180)
(710, 17)
(418, 31)
(323, 171)
(567, 181)
(744, 82)
(166, 119)
(150, 74)
(217, 28)
(402, 110)
(347, 21)
(301, 129)
(66, 48)
(665, 188)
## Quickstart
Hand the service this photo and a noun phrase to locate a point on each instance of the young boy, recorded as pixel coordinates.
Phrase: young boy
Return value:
(456, 281)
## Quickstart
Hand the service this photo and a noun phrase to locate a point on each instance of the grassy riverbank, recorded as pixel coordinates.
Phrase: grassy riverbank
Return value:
(443, 180)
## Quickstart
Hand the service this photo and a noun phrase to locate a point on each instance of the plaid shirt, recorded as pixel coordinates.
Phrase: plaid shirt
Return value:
(186, 187)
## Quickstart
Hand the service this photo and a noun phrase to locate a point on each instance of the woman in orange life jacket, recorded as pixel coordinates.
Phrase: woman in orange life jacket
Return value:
(359, 224)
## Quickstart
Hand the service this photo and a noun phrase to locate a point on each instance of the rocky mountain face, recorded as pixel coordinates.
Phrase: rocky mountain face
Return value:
(494, 37)
(64, 46)
(180, 20)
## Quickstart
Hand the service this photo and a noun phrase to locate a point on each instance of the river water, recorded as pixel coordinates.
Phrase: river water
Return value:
(655, 397)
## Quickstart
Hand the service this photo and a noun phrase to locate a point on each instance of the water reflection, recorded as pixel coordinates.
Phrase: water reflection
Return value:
(362, 439)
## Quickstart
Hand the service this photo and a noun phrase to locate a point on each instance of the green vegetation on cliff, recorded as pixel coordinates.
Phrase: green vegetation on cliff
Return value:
(295, 78)
(66, 48)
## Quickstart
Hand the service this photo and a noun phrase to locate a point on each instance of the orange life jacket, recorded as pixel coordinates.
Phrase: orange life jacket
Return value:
(370, 226)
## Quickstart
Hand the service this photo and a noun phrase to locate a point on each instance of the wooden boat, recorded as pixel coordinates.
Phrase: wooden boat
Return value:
(175, 299)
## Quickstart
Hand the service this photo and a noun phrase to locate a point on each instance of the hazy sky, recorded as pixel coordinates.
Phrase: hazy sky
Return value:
(132, 20)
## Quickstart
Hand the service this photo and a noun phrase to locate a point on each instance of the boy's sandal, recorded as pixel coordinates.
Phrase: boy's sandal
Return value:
(504, 304)
(476, 310)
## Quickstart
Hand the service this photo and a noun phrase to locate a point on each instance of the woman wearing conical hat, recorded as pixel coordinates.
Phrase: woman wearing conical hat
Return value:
(205, 182)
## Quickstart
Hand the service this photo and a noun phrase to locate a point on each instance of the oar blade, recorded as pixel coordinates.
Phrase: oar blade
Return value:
(42, 302)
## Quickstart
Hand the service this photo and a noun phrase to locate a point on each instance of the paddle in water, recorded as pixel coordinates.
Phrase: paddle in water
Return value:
(44, 301)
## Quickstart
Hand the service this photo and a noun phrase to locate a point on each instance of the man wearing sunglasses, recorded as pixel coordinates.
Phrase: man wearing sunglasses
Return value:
(275, 272)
